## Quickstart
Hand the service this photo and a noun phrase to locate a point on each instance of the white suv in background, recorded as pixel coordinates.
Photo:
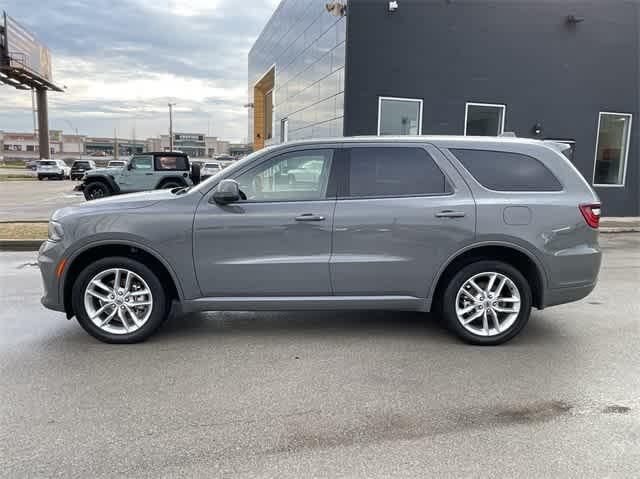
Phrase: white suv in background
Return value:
(53, 169)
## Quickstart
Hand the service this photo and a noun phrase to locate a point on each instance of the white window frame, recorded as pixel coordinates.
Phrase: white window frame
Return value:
(415, 100)
(626, 152)
(493, 105)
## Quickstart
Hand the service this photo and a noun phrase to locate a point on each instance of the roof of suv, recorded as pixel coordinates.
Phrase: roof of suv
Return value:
(471, 140)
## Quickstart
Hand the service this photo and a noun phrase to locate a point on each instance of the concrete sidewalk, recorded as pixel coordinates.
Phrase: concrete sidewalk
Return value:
(629, 224)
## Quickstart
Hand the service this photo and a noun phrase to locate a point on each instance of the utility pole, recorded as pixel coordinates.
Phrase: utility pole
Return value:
(171, 105)
(116, 153)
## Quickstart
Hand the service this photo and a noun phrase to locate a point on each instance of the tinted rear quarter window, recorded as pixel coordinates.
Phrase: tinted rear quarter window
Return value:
(505, 171)
(170, 163)
(400, 171)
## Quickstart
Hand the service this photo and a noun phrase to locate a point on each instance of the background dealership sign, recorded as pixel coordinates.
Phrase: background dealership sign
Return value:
(24, 51)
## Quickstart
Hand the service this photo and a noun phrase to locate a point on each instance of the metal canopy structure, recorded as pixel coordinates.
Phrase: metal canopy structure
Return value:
(25, 64)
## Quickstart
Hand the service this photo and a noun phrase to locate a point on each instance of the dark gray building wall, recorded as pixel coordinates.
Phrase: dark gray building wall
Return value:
(521, 53)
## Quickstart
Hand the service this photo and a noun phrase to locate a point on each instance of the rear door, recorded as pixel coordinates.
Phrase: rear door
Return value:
(401, 212)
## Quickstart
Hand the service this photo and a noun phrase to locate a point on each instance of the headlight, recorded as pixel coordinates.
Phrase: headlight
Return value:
(55, 231)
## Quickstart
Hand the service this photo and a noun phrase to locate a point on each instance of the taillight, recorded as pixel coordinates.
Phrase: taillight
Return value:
(591, 214)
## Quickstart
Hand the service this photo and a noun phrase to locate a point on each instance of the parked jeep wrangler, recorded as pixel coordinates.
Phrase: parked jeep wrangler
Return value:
(145, 171)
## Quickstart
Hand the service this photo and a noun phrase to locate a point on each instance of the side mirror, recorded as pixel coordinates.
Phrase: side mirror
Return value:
(129, 166)
(227, 191)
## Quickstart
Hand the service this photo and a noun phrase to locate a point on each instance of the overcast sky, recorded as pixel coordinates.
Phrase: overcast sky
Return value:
(122, 61)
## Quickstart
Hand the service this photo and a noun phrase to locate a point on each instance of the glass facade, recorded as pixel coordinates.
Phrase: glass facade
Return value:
(306, 45)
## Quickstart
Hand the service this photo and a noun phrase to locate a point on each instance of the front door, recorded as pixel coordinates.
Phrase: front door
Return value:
(277, 242)
(138, 176)
(401, 212)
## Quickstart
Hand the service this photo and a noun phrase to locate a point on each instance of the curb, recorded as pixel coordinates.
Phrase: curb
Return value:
(20, 245)
(23, 221)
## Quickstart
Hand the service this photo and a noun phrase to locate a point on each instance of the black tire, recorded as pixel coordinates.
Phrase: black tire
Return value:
(170, 184)
(159, 311)
(448, 303)
(96, 190)
(40, 178)
(196, 175)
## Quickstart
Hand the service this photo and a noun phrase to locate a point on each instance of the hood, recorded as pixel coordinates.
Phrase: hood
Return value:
(116, 203)
(104, 171)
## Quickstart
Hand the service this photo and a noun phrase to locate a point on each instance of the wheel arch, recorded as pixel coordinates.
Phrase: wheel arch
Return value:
(108, 180)
(517, 256)
(126, 248)
(178, 179)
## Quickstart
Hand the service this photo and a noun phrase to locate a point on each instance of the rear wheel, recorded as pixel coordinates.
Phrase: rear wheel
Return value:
(96, 190)
(119, 300)
(487, 303)
(170, 184)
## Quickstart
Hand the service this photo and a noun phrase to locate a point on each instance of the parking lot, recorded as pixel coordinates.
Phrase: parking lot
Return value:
(343, 394)
(35, 200)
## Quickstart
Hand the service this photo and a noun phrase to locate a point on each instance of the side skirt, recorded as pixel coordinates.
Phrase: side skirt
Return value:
(304, 303)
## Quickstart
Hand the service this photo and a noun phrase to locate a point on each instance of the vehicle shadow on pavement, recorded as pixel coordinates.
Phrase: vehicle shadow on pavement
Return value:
(332, 324)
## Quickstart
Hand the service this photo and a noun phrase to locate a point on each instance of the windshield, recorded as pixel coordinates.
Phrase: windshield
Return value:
(47, 163)
(116, 163)
(211, 165)
(81, 163)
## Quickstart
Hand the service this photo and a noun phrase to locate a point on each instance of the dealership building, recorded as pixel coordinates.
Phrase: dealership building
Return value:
(545, 69)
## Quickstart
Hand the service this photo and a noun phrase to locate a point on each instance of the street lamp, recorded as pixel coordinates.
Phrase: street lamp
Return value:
(171, 105)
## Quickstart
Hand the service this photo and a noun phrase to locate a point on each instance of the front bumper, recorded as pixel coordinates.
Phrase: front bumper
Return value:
(49, 256)
(79, 187)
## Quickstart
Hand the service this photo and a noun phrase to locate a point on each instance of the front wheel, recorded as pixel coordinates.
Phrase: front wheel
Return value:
(119, 300)
(487, 303)
(96, 190)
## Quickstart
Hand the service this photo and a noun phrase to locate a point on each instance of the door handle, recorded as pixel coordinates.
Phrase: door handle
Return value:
(309, 217)
(148, 174)
(450, 214)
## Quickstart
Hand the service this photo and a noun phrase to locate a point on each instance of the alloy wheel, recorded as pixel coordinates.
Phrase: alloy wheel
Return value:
(118, 301)
(488, 304)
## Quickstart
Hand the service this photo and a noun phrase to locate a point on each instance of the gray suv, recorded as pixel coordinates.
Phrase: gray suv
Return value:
(479, 230)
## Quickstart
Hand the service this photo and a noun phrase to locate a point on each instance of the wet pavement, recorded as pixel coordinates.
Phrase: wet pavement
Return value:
(36, 200)
(343, 394)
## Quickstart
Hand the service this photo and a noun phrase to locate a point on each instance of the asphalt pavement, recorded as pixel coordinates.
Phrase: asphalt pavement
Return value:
(36, 200)
(346, 394)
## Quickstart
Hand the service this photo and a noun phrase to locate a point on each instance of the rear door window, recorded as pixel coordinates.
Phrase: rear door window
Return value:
(394, 171)
(505, 171)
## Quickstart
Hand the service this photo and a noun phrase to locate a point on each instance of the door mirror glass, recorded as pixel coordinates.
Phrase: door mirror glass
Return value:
(227, 191)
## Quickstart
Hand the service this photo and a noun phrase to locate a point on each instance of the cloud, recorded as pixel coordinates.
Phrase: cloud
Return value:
(122, 61)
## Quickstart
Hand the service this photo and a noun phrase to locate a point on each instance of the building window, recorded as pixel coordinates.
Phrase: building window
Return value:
(399, 116)
(484, 119)
(284, 130)
(612, 149)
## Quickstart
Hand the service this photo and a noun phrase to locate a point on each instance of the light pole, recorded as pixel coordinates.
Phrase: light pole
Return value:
(171, 105)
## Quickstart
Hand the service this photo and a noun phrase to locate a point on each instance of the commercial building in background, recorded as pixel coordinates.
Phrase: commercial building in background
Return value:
(196, 145)
(25, 146)
(549, 70)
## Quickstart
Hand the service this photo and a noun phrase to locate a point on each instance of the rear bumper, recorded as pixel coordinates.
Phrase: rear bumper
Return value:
(554, 297)
(50, 174)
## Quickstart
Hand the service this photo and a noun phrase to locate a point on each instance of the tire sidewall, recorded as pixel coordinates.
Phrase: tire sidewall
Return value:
(449, 301)
(158, 312)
